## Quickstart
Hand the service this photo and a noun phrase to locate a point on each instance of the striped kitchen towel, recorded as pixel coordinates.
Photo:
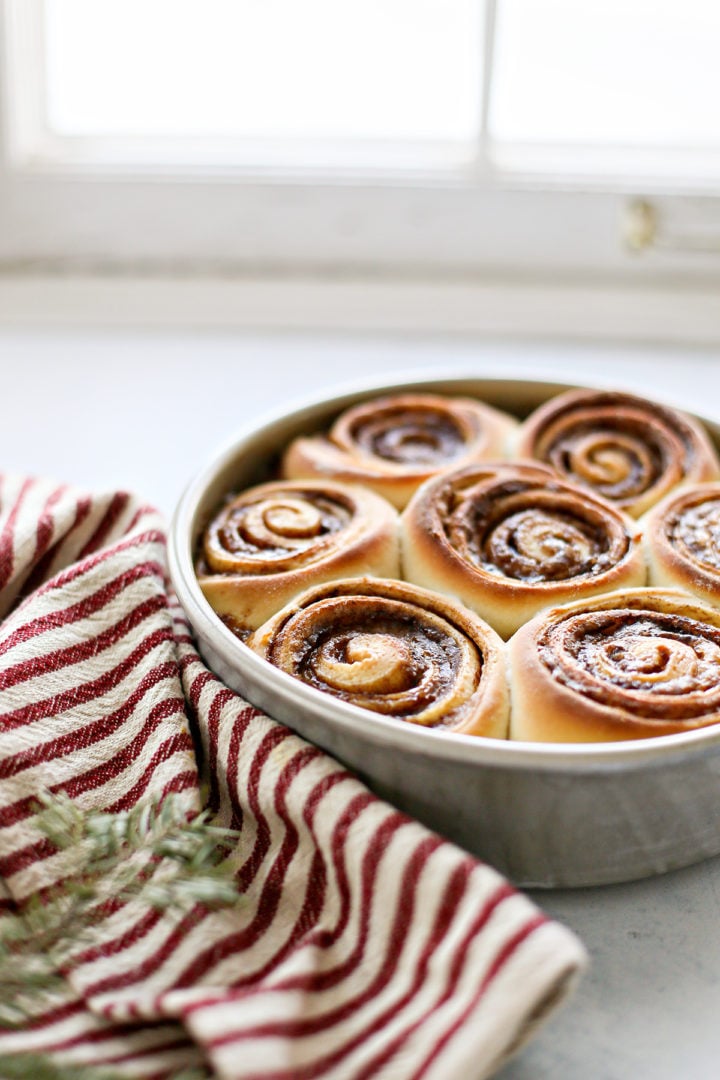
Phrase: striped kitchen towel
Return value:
(365, 946)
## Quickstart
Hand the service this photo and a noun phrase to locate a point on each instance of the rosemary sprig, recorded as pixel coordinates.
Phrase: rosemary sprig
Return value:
(33, 1066)
(155, 854)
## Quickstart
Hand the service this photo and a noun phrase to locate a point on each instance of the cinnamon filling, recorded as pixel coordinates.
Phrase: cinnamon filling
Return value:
(694, 531)
(620, 446)
(530, 533)
(619, 462)
(655, 665)
(386, 655)
(274, 531)
(409, 436)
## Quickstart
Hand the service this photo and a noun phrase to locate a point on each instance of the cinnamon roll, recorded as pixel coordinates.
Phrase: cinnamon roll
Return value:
(510, 538)
(392, 444)
(274, 540)
(395, 649)
(682, 538)
(629, 450)
(629, 665)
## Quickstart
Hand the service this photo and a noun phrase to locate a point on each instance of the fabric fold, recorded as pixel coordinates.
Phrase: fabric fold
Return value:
(362, 946)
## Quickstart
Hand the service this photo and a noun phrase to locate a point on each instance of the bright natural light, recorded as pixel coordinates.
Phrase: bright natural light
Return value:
(622, 72)
(268, 69)
(435, 135)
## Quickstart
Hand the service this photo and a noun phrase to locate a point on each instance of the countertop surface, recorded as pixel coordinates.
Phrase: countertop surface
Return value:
(145, 410)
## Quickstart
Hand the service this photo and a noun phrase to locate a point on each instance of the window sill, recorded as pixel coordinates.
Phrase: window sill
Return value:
(524, 309)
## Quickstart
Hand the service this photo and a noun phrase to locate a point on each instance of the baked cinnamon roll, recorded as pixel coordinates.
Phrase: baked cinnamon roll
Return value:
(510, 538)
(276, 539)
(682, 539)
(629, 665)
(395, 649)
(392, 444)
(629, 450)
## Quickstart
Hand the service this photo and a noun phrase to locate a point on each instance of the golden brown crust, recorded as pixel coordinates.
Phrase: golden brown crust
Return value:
(682, 539)
(276, 539)
(393, 444)
(511, 538)
(625, 448)
(633, 664)
(395, 649)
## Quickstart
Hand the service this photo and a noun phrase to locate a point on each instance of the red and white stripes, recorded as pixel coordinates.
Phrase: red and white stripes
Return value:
(365, 946)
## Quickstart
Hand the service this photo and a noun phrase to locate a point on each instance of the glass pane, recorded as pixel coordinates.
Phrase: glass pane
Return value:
(375, 69)
(625, 72)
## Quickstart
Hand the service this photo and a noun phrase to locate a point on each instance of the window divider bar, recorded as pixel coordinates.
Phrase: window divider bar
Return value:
(23, 88)
(490, 18)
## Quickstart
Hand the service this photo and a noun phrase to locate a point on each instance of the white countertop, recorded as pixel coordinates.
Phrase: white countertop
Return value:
(144, 410)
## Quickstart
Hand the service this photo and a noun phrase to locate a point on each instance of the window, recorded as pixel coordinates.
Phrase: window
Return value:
(260, 70)
(409, 135)
(633, 74)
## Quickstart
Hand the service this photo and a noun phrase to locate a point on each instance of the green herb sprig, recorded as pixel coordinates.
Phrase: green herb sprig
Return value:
(156, 854)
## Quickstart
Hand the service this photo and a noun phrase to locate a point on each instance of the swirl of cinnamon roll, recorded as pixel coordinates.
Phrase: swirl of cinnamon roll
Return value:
(274, 540)
(682, 540)
(395, 649)
(510, 538)
(392, 444)
(629, 450)
(632, 664)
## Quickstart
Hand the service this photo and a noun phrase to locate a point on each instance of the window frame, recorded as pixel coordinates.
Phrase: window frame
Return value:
(516, 211)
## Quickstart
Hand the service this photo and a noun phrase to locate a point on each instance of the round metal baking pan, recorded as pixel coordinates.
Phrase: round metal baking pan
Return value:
(546, 815)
